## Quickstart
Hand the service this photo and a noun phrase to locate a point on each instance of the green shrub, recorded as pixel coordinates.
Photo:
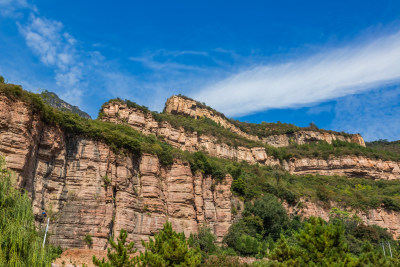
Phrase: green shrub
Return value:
(88, 240)
(204, 240)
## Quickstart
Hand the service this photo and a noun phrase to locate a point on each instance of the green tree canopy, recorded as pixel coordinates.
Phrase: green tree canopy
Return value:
(169, 248)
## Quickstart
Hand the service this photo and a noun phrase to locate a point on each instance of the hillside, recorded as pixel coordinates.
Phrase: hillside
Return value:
(134, 169)
(53, 100)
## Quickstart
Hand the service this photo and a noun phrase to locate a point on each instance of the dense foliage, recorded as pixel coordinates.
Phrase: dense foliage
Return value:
(266, 231)
(169, 248)
(20, 243)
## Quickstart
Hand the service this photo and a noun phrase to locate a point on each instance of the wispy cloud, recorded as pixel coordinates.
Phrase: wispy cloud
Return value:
(11, 8)
(56, 48)
(332, 74)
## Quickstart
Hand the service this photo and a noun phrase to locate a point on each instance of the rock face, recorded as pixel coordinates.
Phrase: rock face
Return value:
(86, 189)
(118, 112)
(188, 107)
(381, 217)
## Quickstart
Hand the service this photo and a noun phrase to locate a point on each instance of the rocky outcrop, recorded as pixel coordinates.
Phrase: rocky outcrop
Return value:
(118, 112)
(188, 107)
(308, 137)
(381, 217)
(352, 166)
(87, 189)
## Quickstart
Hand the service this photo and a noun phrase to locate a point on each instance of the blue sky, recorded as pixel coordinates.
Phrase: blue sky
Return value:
(334, 63)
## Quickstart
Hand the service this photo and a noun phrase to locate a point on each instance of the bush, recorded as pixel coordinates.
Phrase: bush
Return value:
(88, 240)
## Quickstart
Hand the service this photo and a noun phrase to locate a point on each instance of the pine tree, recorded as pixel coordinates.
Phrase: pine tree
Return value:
(317, 244)
(121, 256)
(169, 248)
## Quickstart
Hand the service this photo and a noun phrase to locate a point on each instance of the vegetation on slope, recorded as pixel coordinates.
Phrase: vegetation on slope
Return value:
(204, 126)
(266, 231)
(324, 150)
(168, 248)
(53, 100)
(252, 181)
(264, 129)
(20, 243)
(385, 145)
(314, 150)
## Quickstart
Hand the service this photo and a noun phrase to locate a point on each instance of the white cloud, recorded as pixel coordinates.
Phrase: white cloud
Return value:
(56, 49)
(303, 82)
(11, 8)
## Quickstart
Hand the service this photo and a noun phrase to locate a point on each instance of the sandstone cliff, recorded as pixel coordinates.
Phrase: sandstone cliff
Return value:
(86, 189)
(358, 166)
(188, 107)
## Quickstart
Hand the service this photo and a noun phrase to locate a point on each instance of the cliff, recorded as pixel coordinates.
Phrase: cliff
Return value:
(86, 188)
(352, 166)
(185, 106)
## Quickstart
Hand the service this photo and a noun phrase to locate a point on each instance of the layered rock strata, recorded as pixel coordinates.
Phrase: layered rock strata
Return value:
(88, 190)
(352, 166)
(188, 107)
(381, 217)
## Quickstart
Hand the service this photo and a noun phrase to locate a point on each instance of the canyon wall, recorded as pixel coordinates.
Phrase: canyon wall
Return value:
(184, 106)
(352, 166)
(86, 189)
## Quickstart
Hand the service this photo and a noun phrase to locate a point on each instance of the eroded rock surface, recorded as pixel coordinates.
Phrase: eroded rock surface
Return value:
(352, 166)
(86, 189)
(188, 107)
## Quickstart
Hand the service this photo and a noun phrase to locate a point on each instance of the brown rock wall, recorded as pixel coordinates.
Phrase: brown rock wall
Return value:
(86, 189)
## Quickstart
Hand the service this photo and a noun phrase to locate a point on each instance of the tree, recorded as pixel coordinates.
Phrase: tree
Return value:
(121, 256)
(204, 240)
(20, 243)
(272, 214)
(169, 248)
(1, 79)
(317, 244)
